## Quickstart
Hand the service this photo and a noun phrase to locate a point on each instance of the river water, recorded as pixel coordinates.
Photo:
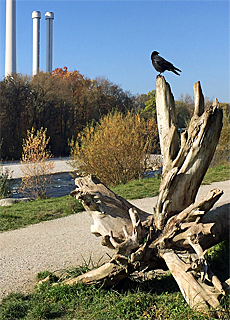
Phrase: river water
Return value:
(62, 181)
(61, 185)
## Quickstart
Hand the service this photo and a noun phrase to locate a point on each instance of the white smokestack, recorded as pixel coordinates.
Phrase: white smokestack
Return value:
(36, 16)
(49, 16)
(10, 53)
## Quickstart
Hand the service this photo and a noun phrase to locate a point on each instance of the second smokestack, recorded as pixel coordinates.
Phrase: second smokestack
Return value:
(49, 16)
(36, 16)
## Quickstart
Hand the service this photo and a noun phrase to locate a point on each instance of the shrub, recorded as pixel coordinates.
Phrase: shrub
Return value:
(5, 183)
(116, 149)
(36, 166)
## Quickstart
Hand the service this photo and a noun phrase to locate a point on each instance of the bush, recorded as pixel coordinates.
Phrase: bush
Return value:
(5, 183)
(36, 166)
(116, 149)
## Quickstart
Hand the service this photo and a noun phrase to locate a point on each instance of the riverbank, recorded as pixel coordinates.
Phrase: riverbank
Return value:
(60, 165)
(62, 177)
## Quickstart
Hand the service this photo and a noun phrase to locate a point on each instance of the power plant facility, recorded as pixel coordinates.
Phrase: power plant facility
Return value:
(10, 48)
(49, 40)
(36, 16)
(10, 44)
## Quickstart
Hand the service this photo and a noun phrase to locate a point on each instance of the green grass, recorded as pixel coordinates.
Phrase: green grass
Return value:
(218, 173)
(138, 189)
(25, 213)
(156, 297)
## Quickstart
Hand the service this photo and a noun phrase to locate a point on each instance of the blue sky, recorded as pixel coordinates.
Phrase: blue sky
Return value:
(115, 39)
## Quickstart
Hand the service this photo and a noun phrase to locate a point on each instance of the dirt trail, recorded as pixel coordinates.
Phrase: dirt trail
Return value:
(59, 244)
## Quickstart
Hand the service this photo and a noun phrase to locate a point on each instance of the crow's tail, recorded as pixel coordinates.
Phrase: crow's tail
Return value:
(174, 70)
(177, 69)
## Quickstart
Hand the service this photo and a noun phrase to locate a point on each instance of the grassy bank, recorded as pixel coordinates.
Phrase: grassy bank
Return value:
(155, 297)
(23, 214)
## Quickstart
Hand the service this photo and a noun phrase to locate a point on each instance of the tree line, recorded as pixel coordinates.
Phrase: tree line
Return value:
(65, 102)
(61, 101)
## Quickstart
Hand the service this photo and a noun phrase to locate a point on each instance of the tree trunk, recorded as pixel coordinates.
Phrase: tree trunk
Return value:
(181, 228)
(184, 167)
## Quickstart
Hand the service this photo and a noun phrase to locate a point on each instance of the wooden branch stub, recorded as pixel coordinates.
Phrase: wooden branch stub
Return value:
(201, 206)
(166, 120)
(183, 172)
(115, 219)
(174, 234)
(199, 295)
(221, 229)
(199, 230)
(199, 99)
(108, 274)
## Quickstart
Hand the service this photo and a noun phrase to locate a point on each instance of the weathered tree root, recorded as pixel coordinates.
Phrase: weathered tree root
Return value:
(180, 229)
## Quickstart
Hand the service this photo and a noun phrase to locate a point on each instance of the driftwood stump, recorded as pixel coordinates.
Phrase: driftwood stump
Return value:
(180, 229)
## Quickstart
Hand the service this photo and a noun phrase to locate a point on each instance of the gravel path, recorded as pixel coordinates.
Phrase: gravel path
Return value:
(58, 244)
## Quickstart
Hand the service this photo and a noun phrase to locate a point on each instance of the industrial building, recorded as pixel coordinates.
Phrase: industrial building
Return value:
(10, 48)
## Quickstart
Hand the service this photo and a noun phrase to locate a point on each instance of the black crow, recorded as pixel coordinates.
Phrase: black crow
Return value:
(160, 64)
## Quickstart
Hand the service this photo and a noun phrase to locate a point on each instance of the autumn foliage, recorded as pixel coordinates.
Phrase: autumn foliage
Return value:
(63, 101)
(116, 149)
(36, 164)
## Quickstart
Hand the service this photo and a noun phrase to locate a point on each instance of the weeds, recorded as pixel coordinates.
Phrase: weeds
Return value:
(5, 183)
